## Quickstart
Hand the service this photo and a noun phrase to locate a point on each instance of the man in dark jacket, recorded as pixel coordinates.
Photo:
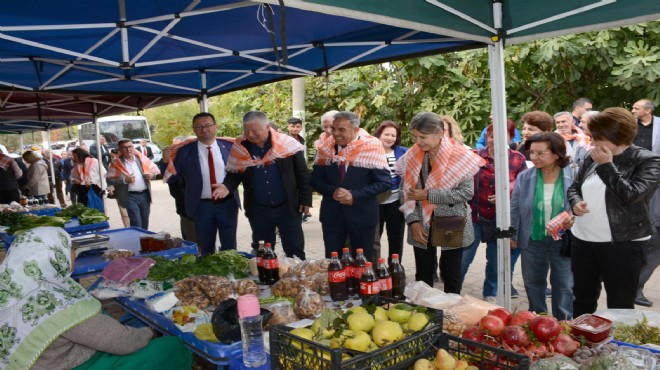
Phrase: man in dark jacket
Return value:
(275, 180)
(105, 152)
(10, 172)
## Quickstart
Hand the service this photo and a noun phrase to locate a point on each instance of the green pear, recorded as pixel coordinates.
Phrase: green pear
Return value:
(303, 333)
(356, 309)
(444, 361)
(380, 314)
(418, 321)
(386, 332)
(397, 315)
(423, 364)
(316, 326)
(358, 341)
(360, 321)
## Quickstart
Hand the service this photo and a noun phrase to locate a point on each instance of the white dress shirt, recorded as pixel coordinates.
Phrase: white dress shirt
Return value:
(219, 165)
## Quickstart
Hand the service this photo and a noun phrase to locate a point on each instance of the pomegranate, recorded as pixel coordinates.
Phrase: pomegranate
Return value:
(537, 351)
(515, 336)
(522, 317)
(502, 313)
(565, 345)
(491, 325)
(473, 333)
(545, 328)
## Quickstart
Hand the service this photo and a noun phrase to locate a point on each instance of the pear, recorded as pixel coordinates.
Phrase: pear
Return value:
(397, 315)
(303, 333)
(360, 321)
(461, 365)
(386, 332)
(418, 321)
(356, 309)
(444, 361)
(316, 326)
(423, 364)
(380, 314)
(471, 367)
(358, 340)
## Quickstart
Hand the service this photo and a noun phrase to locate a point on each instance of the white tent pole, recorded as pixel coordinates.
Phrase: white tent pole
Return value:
(502, 199)
(52, 169)
(99, 152)
(20, 139)
(204, 101)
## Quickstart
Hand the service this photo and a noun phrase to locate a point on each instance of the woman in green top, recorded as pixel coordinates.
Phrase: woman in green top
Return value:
(48, 321)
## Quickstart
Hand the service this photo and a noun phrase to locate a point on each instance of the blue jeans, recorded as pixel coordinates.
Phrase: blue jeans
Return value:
(490, 282)
(138, 206)
(537, 258)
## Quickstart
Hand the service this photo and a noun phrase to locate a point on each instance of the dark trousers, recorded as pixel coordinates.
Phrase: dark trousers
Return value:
(188, 229)
(264, 220)
(82, 190)
(616, 264)
(8, 196)
(213, 218)
(335, 233)
(652, 261)
(450, 267)
(394, 222)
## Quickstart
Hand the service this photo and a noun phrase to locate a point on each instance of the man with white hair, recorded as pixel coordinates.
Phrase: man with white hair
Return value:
(326, 125)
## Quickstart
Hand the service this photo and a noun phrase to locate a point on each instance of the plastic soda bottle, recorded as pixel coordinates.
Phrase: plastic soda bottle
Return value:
(260, 261)
(271, 266)
(398, 278)
(358, 268)
(384, 279)
(353, 284)
(337, 279)
(369, 285)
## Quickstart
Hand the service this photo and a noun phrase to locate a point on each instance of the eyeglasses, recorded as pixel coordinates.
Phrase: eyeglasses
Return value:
(126, 147)
(538, 154)
(201, 127)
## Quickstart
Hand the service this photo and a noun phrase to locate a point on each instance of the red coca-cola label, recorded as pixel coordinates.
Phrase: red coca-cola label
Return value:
(385, 284)
(358, 271)
(337, 276)
(350, 271)
(270, 264)
(260, 262)
(369, 287)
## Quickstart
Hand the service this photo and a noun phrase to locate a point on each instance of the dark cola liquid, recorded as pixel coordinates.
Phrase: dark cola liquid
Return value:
(271, 267)
(398, 278)
(384, 279)
(337, 279)
(260, 262)
(352, 284)
(369, 285)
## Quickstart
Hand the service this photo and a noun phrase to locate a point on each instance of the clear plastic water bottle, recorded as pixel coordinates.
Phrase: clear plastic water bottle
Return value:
(249, 313)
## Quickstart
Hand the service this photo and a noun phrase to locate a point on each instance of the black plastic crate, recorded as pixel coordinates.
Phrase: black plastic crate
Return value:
(286, 352)
(481, 355)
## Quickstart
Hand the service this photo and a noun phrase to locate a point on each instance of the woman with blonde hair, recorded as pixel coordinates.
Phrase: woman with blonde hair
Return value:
(37, 176)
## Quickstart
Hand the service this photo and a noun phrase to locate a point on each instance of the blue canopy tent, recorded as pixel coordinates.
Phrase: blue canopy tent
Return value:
(84, 59)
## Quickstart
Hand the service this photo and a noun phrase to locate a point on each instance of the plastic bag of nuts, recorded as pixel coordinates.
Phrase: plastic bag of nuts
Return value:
(246, 286)
(452, 324)
(308, 304)
(317, 283)
(287, 287)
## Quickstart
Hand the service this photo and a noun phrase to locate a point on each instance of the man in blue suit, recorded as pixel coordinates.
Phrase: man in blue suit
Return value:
(350, 170)
(200, 164)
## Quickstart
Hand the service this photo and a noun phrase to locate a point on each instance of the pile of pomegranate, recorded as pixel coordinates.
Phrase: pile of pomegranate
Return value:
(536, 336)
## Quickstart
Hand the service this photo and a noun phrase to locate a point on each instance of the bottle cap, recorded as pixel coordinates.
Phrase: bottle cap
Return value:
(381, 260)
(368, 264)
(344, 249)
(395, 256)
(248, 305)
(334, 254)
(359, 250)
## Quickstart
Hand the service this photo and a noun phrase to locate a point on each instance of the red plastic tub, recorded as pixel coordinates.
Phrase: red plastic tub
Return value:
(593, 328)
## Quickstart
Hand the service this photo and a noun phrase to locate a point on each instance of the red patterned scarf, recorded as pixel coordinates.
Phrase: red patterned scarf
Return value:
(171, 171)
(366, 151)
(282, 146)
(117, 168)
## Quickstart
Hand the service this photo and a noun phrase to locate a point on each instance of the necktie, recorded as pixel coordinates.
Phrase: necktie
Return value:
(342, 171)
(211, 166)
(144, 151)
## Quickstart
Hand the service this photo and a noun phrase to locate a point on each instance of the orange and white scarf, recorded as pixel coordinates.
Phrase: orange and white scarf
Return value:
(576, 134)
(82, 172)
(282, 146)
(171, 170)
(320, 140)
(451, 165)
(117, 168)
(365, 151)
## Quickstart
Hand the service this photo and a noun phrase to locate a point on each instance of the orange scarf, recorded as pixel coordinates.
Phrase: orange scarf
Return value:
(117, 168)
(451, 165)
(320, 140)
(171, 171)
(282, 146)
(576, 134)
(83, 172)
(366, 151)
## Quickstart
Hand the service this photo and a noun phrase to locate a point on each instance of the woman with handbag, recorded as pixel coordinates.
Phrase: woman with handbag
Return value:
(86, 175)
(610, 198)
(539, 195)
(483, 212)
(437, 183)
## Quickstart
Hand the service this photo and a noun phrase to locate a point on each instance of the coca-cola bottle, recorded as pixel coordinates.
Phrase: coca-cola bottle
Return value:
(337, 279)
(260, 261)
(384, 279)
(358, 268)
(369, 285)
(271, 266)
(353, 284)
(398, 278)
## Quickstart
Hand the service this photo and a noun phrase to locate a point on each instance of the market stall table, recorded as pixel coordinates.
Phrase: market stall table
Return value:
(72, 227)
(92, 262)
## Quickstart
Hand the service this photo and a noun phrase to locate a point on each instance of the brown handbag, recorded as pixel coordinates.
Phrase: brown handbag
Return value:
(447, 231)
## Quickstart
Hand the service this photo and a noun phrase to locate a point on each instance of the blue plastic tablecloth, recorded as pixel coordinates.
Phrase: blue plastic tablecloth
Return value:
(73, 227)
(214, 352)
(90, 263)
(44, 212)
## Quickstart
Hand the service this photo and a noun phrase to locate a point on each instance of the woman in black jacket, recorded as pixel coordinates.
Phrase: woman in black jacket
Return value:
(610, 198)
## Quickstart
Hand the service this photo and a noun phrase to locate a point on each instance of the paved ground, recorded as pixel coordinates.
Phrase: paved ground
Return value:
(164, 218)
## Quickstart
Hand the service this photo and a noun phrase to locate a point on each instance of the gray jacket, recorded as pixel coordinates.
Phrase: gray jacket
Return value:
(522, 203)
(121, 187)
(451, 202)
